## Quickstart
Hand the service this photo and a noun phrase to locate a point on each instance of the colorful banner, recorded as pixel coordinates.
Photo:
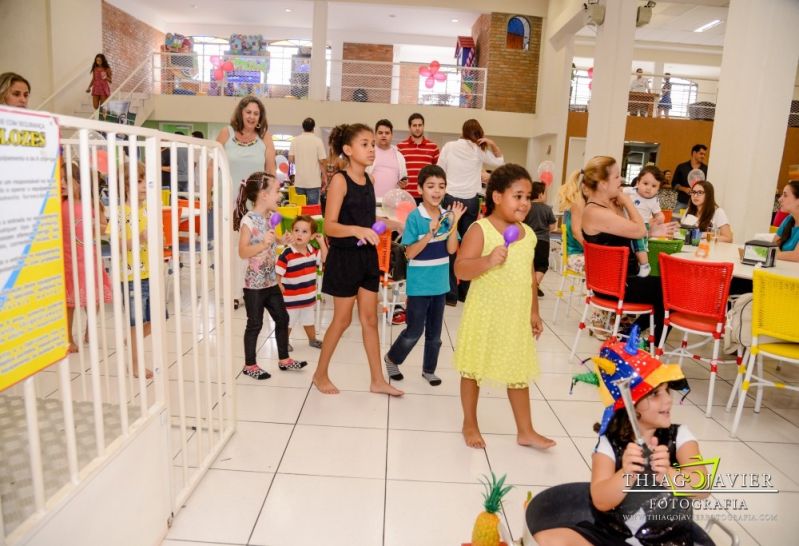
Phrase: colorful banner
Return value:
(33, 321)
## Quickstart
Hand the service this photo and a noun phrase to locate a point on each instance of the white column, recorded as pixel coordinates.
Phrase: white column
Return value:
(657, 81)
(613, 56)
(318, 83)
(758, 72)
(336, 54)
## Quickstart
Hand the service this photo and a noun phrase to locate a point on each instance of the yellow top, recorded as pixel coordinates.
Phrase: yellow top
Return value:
(495, 338)
(126, 216)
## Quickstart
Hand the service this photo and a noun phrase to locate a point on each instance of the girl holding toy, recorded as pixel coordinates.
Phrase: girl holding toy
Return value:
(257, 245)
(352, 272)
(496, 338)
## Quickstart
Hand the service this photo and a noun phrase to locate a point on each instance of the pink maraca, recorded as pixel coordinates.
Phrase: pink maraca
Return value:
(275, 219)
(511, 234)
(378, 227)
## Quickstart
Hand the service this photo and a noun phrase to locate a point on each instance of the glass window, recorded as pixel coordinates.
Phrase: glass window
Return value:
(580, 93)
(683, 93)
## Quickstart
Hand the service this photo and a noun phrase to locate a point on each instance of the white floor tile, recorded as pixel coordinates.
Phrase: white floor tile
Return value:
(269, 404)
(433, 456)
(348, 408)
(223, 508)
(255, 447)
(336, 451)
(309, 510)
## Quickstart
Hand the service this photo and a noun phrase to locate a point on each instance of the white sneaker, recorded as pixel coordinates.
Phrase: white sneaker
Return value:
(644, 270)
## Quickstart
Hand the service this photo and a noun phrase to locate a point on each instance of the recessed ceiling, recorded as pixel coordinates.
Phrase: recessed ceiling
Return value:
(343, 16)
(675, 22)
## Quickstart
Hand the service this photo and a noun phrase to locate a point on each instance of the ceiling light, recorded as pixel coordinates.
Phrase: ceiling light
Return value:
(288, 10)
(712, 24)
(454, 20)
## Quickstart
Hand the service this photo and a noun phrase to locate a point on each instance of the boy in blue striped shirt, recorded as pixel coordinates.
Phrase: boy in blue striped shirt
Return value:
(428, 275)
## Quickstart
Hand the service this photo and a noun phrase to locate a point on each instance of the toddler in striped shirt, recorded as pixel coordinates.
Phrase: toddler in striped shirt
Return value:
(296, 274)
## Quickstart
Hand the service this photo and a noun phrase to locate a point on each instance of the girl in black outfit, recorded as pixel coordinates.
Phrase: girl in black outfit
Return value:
(611, 219)
(351, 271)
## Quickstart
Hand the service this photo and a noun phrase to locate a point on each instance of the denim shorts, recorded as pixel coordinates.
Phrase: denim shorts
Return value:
(145, 301)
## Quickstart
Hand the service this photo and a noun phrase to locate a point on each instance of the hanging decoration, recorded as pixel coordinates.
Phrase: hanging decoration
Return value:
(220, 67)
(431, 72)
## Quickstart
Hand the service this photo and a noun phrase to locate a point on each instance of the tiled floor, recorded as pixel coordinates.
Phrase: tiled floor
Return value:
(362, 469)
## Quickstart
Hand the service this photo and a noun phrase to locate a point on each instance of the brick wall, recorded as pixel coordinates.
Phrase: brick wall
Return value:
(512, 73)
(127, 41)
(374, 79)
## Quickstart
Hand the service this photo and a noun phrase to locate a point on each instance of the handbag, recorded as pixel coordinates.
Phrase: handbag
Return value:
(398, 262)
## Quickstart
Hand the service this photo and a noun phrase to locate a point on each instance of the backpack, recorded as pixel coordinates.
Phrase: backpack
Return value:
(739, 324)
(398, 262)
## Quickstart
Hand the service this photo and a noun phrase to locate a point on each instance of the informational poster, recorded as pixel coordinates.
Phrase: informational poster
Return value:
(33, 323)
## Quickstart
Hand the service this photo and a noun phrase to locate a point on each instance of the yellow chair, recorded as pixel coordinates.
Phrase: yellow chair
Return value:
(300, 200)
(574, 278)
(292, 194)
(774, 301)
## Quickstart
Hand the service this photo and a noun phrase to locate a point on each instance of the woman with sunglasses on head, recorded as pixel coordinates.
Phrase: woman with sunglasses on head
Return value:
(704, 213)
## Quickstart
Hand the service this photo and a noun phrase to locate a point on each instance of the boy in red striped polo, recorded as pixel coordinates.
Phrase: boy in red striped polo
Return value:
(418, 152)
(296, 275)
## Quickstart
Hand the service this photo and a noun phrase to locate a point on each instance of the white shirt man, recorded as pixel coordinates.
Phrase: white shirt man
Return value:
(308, 155)
(639, 84)
(388, 170)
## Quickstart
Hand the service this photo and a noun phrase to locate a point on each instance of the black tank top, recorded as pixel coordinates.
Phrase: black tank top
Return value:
(608, 239)
(357, 209)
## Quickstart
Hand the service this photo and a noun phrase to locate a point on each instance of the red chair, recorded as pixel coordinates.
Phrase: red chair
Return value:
(606, 273)
(695, 299)
(312, 210)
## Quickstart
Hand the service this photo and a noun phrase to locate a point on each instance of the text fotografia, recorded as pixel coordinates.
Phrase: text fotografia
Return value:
(698, 477)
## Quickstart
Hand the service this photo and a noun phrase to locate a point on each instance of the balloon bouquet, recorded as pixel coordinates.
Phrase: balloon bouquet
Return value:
(545, 171)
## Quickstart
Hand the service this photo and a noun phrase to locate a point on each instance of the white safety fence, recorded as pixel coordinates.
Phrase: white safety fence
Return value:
(62, 426)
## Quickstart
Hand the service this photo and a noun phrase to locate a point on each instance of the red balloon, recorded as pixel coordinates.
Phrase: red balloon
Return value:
(435, 65)
(102, 161)
(591, 72)
(424, 71)
(218, 74)
(284, 168)
(227, 66)
(546, 177)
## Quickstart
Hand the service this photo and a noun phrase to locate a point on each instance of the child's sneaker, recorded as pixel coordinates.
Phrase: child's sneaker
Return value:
(315, 343)
(398, 317)
(255, 372)
(292, 364)
(392, 370)
(644, 270)
(432, 378)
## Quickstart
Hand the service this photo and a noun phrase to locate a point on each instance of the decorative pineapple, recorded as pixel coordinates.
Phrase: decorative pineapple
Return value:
(486, 527)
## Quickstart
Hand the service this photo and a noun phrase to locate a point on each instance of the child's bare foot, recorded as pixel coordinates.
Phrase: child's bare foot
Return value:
(148, 374)
(324, 385)
(385, 388)
(473, 437)
(72, 348)
(533, 439)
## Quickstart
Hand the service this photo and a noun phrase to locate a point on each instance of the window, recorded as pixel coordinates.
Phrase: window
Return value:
(580, 90)
(683, 93)
(518, 36)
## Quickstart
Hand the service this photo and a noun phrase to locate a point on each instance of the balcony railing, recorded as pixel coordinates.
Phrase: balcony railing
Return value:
(347, 81)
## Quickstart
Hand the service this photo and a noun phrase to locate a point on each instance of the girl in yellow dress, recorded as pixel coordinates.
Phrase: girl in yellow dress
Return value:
(496, 338)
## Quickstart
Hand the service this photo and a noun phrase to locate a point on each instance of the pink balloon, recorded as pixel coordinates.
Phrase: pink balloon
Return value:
(546, 177)
(102, 161)
(440, 76)
(435, 65)
(218, 74)
(430, 82)
(403, 210)
(424, 71)
(215, 60)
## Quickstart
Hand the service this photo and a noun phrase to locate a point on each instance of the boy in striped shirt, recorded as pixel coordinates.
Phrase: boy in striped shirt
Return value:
(296, 275)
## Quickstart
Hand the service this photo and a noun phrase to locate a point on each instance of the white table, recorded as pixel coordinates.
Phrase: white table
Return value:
(728, 252)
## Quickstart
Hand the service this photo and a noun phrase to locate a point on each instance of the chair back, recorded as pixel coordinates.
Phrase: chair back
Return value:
(312, 210)
(299, 200)
(606, 269)
(166, 220)
(667, 215)
(698, 288)
(564, 246)
(775, 300)
(384, 252)
(656, 246)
